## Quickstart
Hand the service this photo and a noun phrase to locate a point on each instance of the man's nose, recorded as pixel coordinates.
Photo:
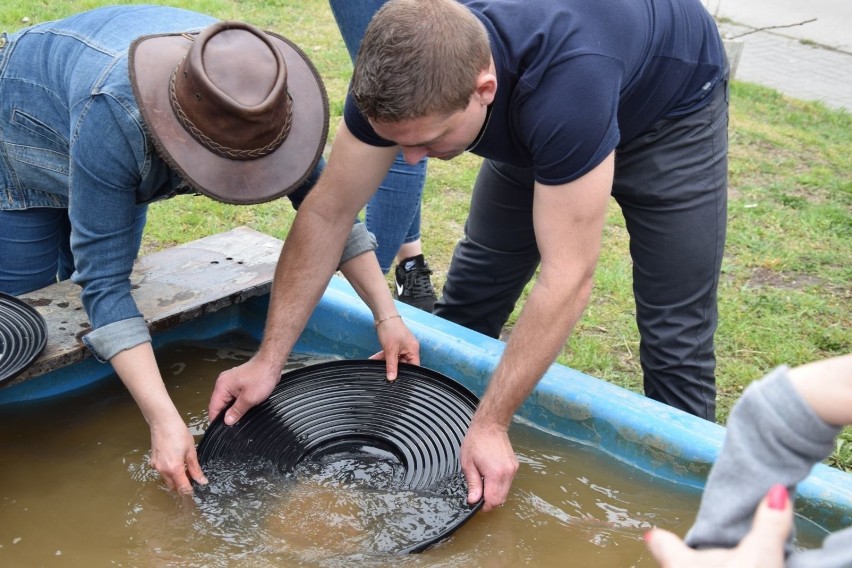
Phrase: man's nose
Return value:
(414, 154)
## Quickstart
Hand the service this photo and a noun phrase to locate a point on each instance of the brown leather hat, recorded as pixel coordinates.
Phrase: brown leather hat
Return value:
(240, 114)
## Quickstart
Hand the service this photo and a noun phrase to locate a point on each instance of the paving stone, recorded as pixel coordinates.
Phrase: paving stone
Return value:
(794, 68)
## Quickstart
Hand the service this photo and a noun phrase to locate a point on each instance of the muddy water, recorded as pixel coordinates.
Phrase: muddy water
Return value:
(76, 490)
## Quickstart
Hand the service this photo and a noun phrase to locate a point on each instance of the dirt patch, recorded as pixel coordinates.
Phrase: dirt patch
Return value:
(151, 245)
(763, 277)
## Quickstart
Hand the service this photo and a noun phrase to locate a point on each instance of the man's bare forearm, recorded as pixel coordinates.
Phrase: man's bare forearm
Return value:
(568, 222)
(304, 269)
(312, 250)
(544, 326)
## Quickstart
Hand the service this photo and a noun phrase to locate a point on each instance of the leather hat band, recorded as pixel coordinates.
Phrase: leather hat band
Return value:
(224, 151)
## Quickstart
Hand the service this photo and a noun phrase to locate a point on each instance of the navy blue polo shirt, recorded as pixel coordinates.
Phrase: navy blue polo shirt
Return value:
(576, 78)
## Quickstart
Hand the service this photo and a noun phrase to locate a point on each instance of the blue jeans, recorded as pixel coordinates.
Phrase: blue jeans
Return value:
(393, 214)
(35, 247)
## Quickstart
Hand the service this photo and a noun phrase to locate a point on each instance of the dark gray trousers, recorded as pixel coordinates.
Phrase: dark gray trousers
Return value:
(671, 185)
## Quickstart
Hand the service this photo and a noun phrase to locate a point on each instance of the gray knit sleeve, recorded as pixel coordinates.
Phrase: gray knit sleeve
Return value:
(836, 552)
(360, 241)
(773, 436)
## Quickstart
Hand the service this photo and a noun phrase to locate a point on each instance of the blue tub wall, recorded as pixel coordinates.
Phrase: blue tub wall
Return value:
(677, 447)
(643, 433)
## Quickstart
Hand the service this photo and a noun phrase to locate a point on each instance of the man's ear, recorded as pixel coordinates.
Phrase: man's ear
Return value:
(486, 87)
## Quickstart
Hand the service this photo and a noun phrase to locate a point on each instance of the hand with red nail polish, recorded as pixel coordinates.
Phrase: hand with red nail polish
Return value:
(782, 425)
(762, 547)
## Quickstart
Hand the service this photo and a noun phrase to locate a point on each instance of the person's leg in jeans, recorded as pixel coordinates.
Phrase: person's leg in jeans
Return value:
(393, 214)
(671, 184)
(498, 254)
(35, 249)
(30, 241)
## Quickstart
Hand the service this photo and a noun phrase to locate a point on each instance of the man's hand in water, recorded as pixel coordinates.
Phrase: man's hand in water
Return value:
(489, 464)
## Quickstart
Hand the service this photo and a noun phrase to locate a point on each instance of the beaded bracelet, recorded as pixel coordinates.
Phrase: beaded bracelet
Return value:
(379, 322)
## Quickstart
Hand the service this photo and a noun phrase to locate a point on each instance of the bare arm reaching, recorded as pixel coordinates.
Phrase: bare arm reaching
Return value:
(568, 223)
(309, 258)
(172, 447)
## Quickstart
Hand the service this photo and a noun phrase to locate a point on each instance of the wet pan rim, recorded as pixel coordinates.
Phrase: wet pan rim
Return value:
(23, 333)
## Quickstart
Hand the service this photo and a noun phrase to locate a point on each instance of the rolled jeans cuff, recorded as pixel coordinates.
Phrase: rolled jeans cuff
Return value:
(109, 340)
(360, 241)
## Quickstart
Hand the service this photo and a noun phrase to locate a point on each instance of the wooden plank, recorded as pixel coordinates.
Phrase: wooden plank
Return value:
(171, 286)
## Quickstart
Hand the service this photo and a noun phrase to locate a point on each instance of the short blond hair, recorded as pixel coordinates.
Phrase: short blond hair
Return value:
(419, 57)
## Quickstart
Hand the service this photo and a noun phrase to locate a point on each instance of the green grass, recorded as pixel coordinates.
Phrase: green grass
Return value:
(785, 291)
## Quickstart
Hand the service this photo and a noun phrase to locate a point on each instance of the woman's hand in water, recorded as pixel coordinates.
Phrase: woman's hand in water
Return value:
(173, 455)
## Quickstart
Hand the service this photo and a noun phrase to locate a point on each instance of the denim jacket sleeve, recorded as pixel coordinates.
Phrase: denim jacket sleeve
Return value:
(108, 160)
(108, 341)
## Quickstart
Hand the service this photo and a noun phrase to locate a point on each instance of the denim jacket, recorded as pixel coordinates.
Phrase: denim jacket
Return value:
(71, 135)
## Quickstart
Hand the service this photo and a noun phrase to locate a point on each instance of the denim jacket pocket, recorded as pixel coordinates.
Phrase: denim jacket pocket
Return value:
(39, 130)
(38, 158)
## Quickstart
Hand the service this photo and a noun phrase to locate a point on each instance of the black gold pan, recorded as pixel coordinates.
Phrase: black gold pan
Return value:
(339, 406)
(23, 335)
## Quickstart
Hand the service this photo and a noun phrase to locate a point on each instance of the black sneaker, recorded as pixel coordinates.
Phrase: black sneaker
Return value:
(413, 285)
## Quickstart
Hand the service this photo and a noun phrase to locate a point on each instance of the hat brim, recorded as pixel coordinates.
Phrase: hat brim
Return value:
(153, 59)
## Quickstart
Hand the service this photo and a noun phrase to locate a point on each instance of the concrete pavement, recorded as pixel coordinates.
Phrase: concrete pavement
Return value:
(811, 61)
(832, 26)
